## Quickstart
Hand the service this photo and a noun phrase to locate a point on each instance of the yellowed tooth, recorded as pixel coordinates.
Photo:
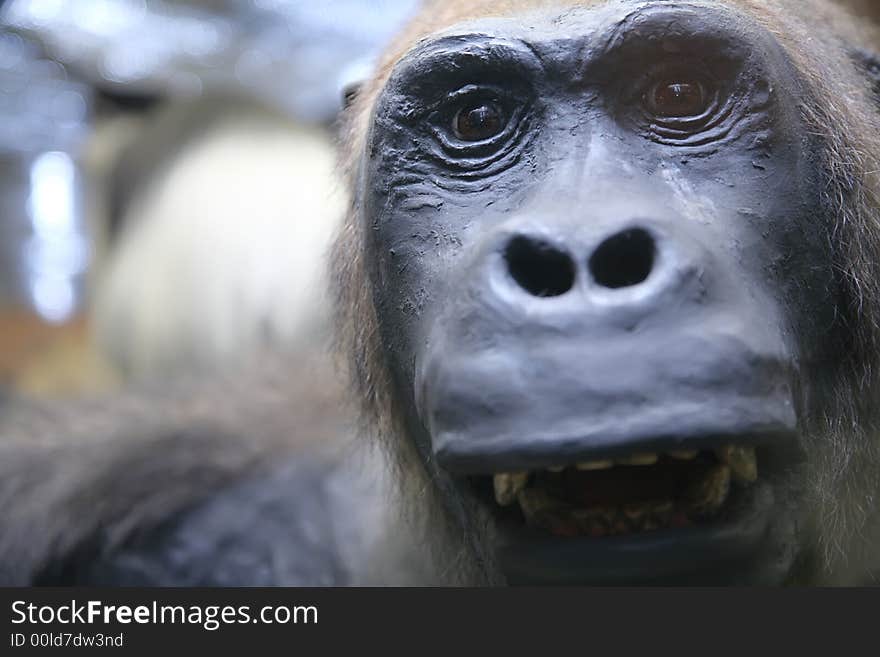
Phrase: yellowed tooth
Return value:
(520, 480)
(593, 519)
(706, 496)
(659, 514)
(742, 461)
(507, 485)
(535, 504)
(595, 465)
(635, 511)
(650, 524)
(639, 459)
(662, 508)
(684, 454)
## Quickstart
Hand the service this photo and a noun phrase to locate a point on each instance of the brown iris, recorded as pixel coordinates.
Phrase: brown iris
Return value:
(479, 121)
(677, 99)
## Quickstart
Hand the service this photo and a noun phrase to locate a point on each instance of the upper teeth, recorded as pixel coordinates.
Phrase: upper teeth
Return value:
(595, 465)
(507, 485)
(639, 459)
(741, 461)
(706, 495)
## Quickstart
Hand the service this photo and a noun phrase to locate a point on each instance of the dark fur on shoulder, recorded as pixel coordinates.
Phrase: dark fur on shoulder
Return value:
(80, 481)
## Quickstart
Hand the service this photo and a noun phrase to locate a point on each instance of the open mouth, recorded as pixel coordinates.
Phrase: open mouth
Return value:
(640, 493)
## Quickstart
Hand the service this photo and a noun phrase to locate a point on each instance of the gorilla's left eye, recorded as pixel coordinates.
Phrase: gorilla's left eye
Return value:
(478, 121)
(677, 98)
(683, 105)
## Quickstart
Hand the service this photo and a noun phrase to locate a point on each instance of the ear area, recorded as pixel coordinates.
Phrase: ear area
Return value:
(350, 92)
(352, 80)
(869, 63)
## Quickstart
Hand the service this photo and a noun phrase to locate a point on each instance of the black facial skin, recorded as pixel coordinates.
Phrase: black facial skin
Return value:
(870, 63)
(595, 233)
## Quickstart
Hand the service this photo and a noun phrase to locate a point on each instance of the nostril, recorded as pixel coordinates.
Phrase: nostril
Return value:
(624, 260)
(539, 268)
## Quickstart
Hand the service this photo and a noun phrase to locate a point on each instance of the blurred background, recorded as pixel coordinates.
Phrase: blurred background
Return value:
(168, 184)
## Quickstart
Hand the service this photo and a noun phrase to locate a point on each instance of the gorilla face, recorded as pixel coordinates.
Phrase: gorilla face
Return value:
(600, 267)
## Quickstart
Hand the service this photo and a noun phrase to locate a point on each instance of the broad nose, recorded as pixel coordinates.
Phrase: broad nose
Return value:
(543, 268)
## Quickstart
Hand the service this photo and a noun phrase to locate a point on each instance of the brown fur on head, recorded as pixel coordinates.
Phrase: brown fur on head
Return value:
(842, 438)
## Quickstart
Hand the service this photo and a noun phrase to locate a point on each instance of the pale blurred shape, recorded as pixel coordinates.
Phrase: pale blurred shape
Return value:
(51, 205)
(54, 297)
(56, 253)
(223, 254)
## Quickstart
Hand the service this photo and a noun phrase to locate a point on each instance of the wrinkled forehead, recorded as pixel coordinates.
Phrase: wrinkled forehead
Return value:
(562, 27)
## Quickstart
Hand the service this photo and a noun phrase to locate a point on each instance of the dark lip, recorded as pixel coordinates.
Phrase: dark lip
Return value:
(520, 455)
(720, 553)
(549, 414)
(781, 446)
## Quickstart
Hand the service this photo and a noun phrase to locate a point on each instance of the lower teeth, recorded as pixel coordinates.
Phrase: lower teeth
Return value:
(561, 520)
(543, 512)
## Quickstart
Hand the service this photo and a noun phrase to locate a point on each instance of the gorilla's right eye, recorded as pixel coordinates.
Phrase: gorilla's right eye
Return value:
(677, 98)
(478, 126)
(478, 121)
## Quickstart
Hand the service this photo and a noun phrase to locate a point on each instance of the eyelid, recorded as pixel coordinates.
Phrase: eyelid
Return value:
(474, 91)
(442, 113)
(443, 116)
(449, 53)
(425, 74)
(684, 28)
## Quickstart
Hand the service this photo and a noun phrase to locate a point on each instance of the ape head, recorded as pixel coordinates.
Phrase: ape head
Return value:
(612, 269)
